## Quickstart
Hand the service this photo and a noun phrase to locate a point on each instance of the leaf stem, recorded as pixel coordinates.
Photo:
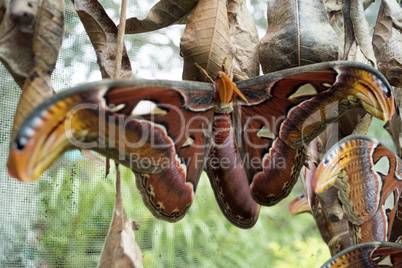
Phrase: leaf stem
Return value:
(120, 38)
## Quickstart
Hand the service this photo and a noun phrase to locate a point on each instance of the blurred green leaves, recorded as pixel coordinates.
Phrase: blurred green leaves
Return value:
(77, 208)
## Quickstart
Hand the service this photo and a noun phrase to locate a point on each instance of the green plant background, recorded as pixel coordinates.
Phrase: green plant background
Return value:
(82, 209)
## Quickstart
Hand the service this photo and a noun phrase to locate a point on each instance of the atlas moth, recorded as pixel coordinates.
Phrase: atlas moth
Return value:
(255, 131)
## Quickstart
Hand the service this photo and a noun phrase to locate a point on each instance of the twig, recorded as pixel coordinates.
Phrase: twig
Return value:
(117, 67)
(119, 204)
(120, 38)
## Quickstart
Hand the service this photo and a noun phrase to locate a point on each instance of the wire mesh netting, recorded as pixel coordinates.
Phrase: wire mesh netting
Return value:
(62, 219)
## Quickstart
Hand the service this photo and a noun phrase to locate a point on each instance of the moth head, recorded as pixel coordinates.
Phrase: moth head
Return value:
(227, 90)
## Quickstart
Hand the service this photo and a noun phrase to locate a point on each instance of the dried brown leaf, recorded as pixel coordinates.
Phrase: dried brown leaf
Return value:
(394, 126)
(206, 40)
(334, 234)
(94, 30)
(382, 31)
(88, 154)
(336, 5)
(331, 206)
(48, 36)
(363, 126)
(162, 14)
(299, 33)
(334, 9)
(47, 40)
(244, 36)
(357, 34)
(103, 35)
(388, 51)
(390, 59)
(333, 6)
(3, 9)
(361, 30)
(23, 13)
(348, 28)
(336, 21)
(16, 50)
(120, 249)
(394, 10)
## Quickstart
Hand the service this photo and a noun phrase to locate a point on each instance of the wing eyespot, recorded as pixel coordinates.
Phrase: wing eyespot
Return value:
(20, 143)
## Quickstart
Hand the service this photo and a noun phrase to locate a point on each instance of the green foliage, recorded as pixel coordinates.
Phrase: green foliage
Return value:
(307, 253)
(77, 208)
(75, 217)
(378, 131)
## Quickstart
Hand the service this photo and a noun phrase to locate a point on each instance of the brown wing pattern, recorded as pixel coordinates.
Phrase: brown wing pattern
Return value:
(165, 147)
(286, 110)
(369, 254)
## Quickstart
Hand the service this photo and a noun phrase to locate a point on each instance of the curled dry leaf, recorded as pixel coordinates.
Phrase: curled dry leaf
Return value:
(356, 54)
(335, 234)
(382, 31)
(206, 40)
(361, 30)
(394, 10)
(337, 11)
(3, 9)
(357, 34)
(162, 14)
(88, 154)
(336, 21)
(120, 249)
(330, 204)
(390, 59)
(16, 50)
(23, 13)
(387, 41)
(244, 36)
(47, 40)
(394, 126)
(363, 125)
(334, 10)
(332, 221)
(103, 35)
(298, 34)
(48, 36)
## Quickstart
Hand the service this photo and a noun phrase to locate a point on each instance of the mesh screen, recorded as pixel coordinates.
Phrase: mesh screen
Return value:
(62, 219)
